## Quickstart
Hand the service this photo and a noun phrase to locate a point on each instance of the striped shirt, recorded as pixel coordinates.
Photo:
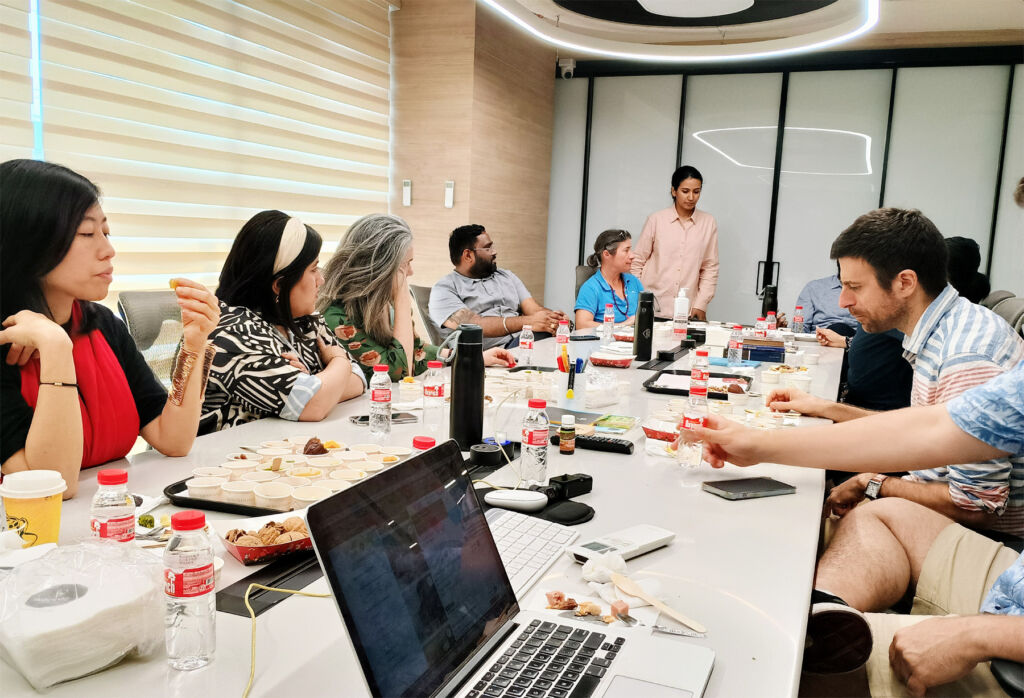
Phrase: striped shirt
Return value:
(956, 346)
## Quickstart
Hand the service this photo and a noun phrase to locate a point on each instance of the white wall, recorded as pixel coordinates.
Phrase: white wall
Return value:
(1008, 253)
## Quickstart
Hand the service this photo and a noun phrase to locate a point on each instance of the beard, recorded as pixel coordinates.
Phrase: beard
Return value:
(482, 267)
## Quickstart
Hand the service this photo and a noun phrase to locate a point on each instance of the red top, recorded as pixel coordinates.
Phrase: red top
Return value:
(380, 368)
(434, 364)
(190, 520)
(537, 403)
(702, 352)
(423, 442)
(112, 476)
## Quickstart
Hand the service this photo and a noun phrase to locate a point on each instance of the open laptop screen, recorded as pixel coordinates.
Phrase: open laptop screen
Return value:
(414, 570)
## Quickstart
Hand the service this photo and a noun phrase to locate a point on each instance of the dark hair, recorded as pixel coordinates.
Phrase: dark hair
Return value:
(41, 207)
(1018, 193)
(964, 260)
(248, 274)
(894, 239)
(686, 172)
(463, 238)
(609, 241)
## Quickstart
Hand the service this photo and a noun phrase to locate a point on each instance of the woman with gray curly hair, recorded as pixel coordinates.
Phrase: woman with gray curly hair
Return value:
(365, 299)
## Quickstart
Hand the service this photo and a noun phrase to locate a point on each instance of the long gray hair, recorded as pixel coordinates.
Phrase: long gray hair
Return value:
(361, 273)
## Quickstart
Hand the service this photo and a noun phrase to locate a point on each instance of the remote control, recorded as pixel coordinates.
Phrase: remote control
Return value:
(600, 443)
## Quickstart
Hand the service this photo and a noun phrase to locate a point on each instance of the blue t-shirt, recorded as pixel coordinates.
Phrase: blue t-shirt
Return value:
(994, 413)
(596, 293)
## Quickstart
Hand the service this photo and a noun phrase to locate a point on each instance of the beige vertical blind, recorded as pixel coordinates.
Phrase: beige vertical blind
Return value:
(16, 132)
(193, 115)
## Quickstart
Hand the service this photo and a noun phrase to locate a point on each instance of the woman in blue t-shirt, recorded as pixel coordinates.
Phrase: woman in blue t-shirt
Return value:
(612, 283)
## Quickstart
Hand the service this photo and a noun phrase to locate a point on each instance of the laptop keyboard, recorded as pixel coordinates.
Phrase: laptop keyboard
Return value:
(550, 661)
(528, 546)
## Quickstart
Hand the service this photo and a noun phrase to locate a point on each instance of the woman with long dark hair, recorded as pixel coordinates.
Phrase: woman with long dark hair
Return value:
(611, 283)
(74, 390)
(275, 357)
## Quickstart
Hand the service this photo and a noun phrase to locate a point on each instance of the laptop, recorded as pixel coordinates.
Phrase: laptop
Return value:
(428, 606)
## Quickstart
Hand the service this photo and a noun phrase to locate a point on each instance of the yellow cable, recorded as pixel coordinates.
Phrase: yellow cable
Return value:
(252, 615)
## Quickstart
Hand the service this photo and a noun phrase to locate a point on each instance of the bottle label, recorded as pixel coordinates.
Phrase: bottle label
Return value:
(799, 319)
(380, 395)
(561, 339)
(535, 437)
(433, 390)
(698, 373)
(698, 391)
(526, 344)
(736, 344)
(120, 529)
(194, 582)
(691, 421)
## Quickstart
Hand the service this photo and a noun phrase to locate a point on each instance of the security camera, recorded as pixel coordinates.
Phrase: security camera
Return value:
(567, 66)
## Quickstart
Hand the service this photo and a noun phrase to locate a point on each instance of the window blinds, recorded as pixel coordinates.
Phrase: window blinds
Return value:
(193, 115)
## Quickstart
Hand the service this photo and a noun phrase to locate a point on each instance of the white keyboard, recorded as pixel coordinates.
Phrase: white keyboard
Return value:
(528, 545)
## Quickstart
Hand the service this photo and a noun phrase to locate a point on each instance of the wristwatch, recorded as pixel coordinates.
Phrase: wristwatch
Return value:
(874, 488)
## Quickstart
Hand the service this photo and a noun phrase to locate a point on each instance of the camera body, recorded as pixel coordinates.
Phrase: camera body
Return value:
(566, 67)
(564, 487)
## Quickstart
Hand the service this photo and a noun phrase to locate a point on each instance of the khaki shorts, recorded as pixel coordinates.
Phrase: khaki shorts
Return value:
(960, 568)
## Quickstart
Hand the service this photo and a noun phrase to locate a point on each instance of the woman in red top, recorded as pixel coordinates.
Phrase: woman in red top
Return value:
(74, 390)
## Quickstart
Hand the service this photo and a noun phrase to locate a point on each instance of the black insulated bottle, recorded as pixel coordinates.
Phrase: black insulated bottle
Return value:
(467, 410)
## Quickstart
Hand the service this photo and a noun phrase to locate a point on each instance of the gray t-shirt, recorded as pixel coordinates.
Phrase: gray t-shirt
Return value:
(497, 295)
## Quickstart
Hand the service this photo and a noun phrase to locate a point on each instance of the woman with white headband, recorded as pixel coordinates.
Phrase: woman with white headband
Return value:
(275, 357)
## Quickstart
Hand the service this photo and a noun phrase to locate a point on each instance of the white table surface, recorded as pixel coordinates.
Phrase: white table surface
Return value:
(743, 568)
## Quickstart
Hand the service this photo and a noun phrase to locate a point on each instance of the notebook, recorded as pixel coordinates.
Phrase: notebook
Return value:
(420, 586)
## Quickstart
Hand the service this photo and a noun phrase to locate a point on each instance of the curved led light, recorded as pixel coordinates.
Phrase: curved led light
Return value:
(866, 18)
(695, 8)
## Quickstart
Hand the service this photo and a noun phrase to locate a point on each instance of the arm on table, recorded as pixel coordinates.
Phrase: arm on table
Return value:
(934, 495)
(337, 384)
(786, 399)
(925, 436)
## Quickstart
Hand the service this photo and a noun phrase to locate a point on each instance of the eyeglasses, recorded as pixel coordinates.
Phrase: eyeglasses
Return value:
(486, 248)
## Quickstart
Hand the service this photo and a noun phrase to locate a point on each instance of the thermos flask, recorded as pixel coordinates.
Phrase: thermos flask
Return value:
(467, 409)
(643, 329)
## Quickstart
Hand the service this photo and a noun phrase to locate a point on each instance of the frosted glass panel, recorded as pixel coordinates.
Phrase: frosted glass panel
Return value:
(566, 193)
(831, 168)
(947, 125)
(730, 129)
(634, 131)
(1008, 253)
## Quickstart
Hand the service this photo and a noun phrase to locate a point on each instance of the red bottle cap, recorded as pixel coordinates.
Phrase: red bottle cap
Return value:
(190, 520)
(112, 476)
(434, 364)
(563, 322)
(702, 352)
(537, 403)
(760, 319)
(380, 368)
(422, 443)
(737, 327)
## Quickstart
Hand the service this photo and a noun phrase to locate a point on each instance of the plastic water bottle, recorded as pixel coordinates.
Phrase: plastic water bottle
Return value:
(433, 396)
(761, 328)
(772, 321)
(798, 319)
(608, 325)
(735, 356)
(699, 370)
(112, 514)
(681, 316)
(690, 456)
(526, 345)
(380, 402)
(190, 626)
(533, 462)
(561, 338)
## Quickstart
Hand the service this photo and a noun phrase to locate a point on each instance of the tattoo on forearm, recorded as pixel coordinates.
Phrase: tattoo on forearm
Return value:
(460, 317)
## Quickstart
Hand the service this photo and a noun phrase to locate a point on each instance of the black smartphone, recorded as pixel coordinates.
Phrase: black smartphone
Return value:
(747, 488)
(396, 418)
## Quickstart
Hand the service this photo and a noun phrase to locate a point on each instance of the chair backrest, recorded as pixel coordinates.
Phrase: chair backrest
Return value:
(583, 273)
(421, 294)
(1011, 310)
(145, 312)
(991, 300)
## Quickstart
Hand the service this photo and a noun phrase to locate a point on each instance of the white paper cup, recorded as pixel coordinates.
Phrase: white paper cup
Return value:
(306, 471)
(274, 495)
(280, 443)
(259, 476)
(348, 457)
(402, 452)
(334, 485)
(303, 496)
(385, 459)
(238, 468)
(348, 475)
(211, 471)
(239, 492)
(325, 464)
(811, 358)
(268, 454)
(294, 481)
(801, 381)
(299, 440)
(769, 377)
(205, 487)
(366, 448)
(243, 456)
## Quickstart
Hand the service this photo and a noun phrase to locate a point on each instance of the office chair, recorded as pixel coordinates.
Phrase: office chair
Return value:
(154, 322)
(1011, 310)
(421, 294)
(991, 300)
(583, 273)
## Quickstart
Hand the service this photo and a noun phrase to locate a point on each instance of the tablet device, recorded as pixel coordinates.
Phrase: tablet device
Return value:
(747, 488)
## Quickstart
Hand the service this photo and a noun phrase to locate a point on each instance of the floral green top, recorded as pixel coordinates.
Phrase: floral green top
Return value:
(368, 352)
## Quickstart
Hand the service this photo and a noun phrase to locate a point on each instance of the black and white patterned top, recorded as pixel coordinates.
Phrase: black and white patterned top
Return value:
(250, 379)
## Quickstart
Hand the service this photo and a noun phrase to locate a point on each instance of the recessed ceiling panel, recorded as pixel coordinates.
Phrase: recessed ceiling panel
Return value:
(632, 12)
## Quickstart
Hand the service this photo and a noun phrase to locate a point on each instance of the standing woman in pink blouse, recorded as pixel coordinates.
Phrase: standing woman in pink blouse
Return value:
(678, 248)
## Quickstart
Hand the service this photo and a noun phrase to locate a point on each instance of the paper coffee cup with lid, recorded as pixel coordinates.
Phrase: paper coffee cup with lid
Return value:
(32, 499)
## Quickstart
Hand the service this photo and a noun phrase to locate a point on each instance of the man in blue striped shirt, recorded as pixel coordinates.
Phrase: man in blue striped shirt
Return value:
(893, 268)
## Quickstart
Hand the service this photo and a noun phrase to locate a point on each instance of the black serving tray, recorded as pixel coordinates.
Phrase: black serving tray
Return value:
(174, 491)
(649, 384)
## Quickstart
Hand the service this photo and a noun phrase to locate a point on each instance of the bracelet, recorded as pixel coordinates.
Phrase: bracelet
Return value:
(59, 384)
(504, 325)
(183, 367)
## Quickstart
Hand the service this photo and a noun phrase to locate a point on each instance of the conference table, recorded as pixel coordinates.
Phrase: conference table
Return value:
(742, 568)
